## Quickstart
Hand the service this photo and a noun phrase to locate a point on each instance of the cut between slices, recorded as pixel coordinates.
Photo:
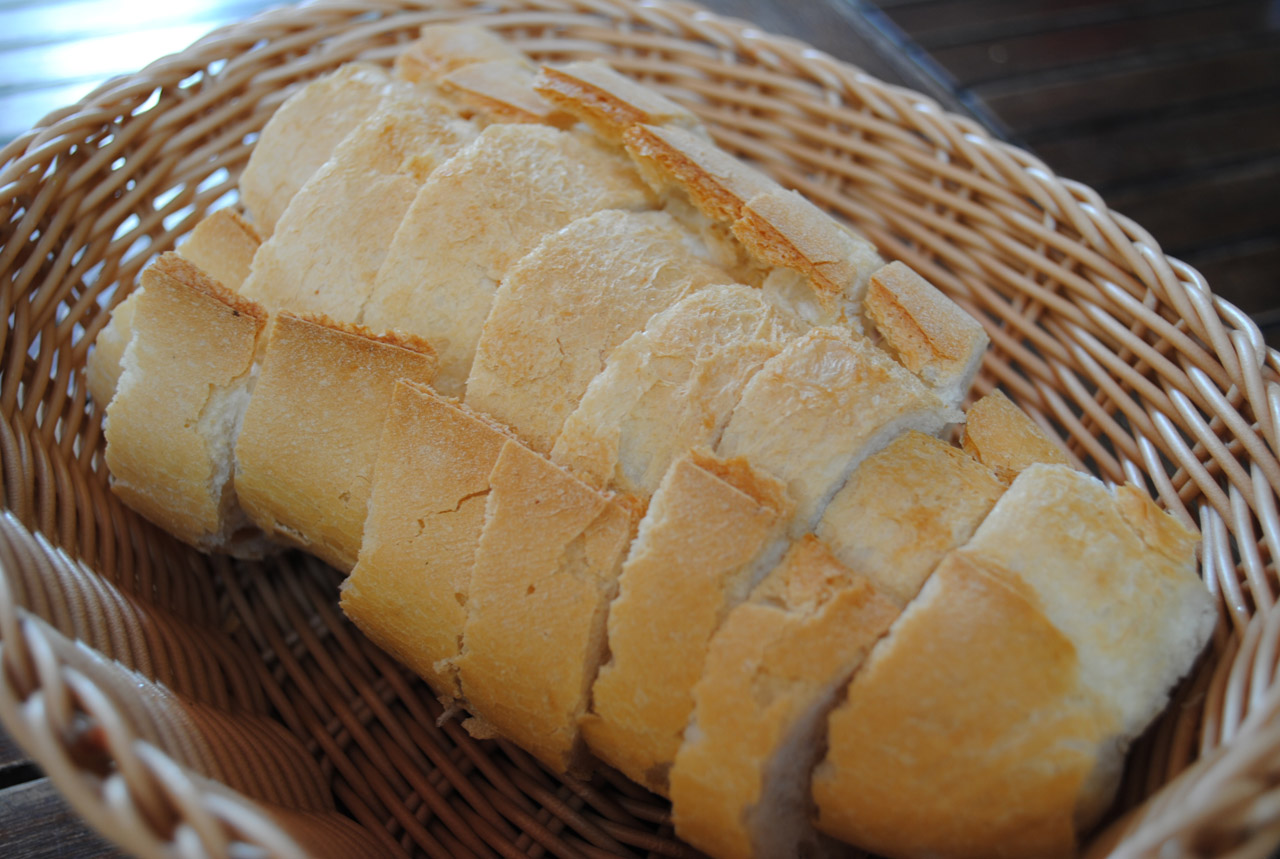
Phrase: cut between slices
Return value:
(608, 102)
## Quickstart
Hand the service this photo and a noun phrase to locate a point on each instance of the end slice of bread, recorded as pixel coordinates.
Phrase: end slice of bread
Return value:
(1000, 435)
(185, 382)
(773, 673)
(444, 48)
(503, 91)
(410, 587)
(711, 532)
(306, 452)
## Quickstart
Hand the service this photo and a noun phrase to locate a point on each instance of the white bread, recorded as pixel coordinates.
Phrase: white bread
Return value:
(444, 48)
(992, 721)
(1001, 436)
(926, 331)
(740, 784)
(904, 509)
(819, 407)
(712, 530)
(502, 90)
(301, 135)
(409, 589)
(474, 217)
(184, 384)
(545, 572)
(331, 240)
(671, 387)
(306, 451)
(608, 102)
(222, 246)
(561, 311)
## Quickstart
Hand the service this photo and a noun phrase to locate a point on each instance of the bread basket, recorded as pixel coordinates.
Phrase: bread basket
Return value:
(188, 705)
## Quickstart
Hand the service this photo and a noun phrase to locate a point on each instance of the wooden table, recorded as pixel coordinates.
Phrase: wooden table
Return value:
(1169, 107)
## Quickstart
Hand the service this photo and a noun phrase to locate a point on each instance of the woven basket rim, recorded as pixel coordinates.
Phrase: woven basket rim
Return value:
(1231, 377)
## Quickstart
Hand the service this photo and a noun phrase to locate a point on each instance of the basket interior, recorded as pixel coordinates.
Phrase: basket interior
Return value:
(1123, 354)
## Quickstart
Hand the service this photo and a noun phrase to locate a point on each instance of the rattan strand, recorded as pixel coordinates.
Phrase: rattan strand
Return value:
(1122, 353)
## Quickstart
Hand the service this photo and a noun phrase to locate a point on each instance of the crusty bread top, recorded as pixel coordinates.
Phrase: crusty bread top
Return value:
(474, 217)
(671, 387)
(503, 91)
(301, 135)
(927, 331)
(819, 407)
(562, 309)
(716, 182)
(739, 786)
(547, 560)
(409, 589)
(782, 228)
(306, 452)
(694, 558)
(968, 733)
(609, 102)
(222, 245)
(905, 508)
(444, 48)
(1000, 435)
(169, 453)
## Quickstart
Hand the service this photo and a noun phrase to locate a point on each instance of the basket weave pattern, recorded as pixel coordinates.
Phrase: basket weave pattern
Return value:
(222, 704)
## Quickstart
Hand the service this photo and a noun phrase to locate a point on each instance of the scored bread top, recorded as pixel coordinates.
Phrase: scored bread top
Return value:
(545, 572)
(183, 385)
(671, 387)
(819, 407)
(561, 310)
(740, 783)
(474, 217)
(331, 240)
(410, 586)
(928, 332)
(1002, 436)
(306, 451)
(608, 102)
(905, 508)
(707, 529)
(301, 135)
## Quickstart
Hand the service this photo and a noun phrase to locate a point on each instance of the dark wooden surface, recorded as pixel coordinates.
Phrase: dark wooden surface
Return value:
(1171, 108)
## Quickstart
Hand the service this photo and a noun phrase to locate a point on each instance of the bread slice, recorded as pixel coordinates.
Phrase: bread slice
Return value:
(301, 135)
(410, 586)
(994, 718)
(671, 387)
(819, 407)
(740, 784)
(222, 246)
(306, 452)
(561, 311)
(545, 572)
(502, 91)
(1000, 435)
(444, 48)
(332, 239)
(905, 508)
(711, 532)
(926, 331)
(608, 102)
(475, 217)
(185, 382)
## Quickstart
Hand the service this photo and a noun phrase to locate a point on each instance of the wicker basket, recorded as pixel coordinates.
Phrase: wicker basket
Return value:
(221, 706)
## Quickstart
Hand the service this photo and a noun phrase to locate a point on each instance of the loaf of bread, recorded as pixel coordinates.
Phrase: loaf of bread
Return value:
(640, 459)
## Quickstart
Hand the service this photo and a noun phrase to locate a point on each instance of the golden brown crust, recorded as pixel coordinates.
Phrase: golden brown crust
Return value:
(548, 560)
(739, 787)
(1000, 435)
(307, 449)
(693, 559)
(409, 589)
(222, 245)
(608, 102)
(925, 330)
